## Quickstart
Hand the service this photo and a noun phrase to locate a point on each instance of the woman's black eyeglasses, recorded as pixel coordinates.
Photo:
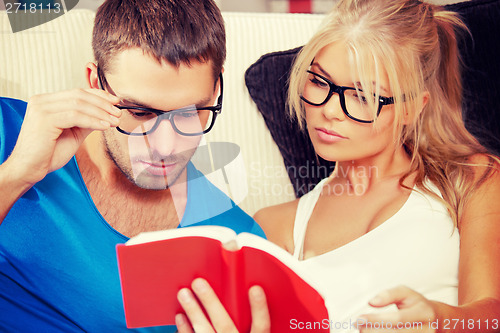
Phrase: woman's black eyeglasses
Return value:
(318, 90)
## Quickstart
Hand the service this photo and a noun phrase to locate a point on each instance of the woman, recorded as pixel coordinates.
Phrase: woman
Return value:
(378, 90)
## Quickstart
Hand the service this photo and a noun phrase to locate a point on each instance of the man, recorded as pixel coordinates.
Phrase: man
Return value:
(92, 167)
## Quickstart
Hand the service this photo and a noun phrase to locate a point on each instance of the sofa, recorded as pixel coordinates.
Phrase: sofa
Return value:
(264, 168)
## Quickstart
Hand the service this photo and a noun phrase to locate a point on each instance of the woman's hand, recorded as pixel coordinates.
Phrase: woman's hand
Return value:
(416, 313)
(218, 319)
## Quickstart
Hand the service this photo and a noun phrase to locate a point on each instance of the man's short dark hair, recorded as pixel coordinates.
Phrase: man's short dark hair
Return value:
(176, 31)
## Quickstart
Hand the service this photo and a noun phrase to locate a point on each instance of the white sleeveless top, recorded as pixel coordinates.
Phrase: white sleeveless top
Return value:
(417, 247)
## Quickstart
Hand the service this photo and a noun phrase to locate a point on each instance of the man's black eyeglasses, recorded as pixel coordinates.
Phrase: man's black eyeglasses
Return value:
(187, 121)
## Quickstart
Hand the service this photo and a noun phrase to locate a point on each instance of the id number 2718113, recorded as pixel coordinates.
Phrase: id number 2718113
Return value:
(32, 8)
(463, 324)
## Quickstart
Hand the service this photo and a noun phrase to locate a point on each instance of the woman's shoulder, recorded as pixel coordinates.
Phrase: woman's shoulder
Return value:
(277, 222)
(484, 199)
(485, 169)
(482, 162)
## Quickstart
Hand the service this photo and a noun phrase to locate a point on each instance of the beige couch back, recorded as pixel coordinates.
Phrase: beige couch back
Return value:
(52, 57)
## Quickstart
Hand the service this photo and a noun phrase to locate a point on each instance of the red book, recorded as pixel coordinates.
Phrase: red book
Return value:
(154, 266)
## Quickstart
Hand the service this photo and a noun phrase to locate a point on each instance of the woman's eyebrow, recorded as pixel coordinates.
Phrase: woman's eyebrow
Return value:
(324, 72)
(358, 84)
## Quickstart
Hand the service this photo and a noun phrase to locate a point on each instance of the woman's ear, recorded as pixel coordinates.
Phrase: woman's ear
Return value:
(91, 76)
(425, 99)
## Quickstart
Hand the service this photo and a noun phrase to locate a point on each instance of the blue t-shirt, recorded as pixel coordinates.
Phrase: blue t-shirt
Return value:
(58, 268)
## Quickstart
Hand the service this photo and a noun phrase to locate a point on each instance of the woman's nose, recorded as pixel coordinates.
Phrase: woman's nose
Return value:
(333, 109)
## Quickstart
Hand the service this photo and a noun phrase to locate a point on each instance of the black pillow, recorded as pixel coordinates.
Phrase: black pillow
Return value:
(481, 72)
(267, 83)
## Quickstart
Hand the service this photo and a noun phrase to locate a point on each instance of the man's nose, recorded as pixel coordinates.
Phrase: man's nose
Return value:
(164, 138)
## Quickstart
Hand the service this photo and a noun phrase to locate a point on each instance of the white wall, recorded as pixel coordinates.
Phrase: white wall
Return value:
(89, 4)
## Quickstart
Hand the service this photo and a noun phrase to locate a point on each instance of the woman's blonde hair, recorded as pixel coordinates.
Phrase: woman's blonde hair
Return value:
(416, 44)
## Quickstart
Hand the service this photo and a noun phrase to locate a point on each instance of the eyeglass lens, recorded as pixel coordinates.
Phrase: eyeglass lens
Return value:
(317, 90)
(187, 121)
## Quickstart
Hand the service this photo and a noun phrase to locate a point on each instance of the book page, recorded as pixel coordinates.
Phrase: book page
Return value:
(289, 288)
(220, 233)
(250, 240)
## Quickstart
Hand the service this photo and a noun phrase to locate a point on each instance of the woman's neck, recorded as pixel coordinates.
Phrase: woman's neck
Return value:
(361, 174)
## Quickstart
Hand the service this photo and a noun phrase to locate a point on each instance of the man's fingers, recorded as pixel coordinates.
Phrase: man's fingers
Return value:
(81, 120)
(193, 311)
(218, 315)
(63, 115)
(182, 324)
(87, 101)
(100, 98)
(76, 93)
(89, 104)
(55, 126)
(104, 94)
(84, 116)
(261, 322)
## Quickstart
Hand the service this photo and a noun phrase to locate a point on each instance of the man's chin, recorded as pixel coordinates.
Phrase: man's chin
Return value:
(151, 185)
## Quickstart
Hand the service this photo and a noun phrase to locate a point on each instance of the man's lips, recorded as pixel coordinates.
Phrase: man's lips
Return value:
(159, 168)
(329, 135)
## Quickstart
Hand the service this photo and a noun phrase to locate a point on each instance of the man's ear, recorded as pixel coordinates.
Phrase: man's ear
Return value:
(91, 76)
(217, 91)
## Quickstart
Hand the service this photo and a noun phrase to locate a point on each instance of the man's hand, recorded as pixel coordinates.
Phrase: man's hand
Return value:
(55, 126)
(219, 320)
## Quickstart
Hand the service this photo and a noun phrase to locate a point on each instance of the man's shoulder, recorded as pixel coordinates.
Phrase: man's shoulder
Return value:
(12, 113)
(235, 219)
(14, 104)
(238, 220)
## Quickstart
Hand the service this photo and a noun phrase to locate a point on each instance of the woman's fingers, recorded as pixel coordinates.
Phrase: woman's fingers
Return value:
(415, 313)
(397, 295)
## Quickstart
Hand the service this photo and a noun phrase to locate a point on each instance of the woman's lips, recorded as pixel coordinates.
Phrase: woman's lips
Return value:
(329, 136)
